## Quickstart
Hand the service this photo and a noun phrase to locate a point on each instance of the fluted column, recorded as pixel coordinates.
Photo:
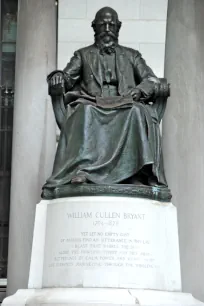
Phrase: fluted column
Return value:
(34, 139)
(183, 134)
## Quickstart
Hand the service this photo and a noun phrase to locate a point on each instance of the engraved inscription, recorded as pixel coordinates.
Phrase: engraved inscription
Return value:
(104, 247)
(110, 242)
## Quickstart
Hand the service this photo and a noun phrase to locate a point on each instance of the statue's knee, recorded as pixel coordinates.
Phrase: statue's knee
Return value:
(138, 109)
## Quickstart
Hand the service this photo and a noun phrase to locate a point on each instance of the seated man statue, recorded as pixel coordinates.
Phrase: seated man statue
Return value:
(108, 106)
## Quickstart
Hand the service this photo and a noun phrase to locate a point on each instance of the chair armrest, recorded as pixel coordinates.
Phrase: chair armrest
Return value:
(58, 106)
(162, 89)
(162, 92)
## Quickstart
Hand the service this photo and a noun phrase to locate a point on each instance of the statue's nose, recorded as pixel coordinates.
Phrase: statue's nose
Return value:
(107, 27)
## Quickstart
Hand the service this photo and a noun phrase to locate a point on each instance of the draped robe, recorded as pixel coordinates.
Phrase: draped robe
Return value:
(107, 139)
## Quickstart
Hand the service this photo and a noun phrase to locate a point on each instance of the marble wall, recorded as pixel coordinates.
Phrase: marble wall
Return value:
(34, 138)
(183, 127)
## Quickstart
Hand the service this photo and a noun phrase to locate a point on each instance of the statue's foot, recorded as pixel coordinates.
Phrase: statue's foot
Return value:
(79, 179)
(136, 180)
(137, 183)
(152, 181)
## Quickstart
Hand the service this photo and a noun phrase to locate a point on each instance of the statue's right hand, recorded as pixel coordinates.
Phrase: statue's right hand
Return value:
(56, 84)
(56, 80)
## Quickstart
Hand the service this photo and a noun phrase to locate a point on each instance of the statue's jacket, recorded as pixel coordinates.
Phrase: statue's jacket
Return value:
(85, 69)
(108, 146)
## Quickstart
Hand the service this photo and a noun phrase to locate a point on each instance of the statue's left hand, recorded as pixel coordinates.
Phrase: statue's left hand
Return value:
(136, 94)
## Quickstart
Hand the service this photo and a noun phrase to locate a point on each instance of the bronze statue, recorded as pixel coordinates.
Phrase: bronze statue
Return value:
(108, 105)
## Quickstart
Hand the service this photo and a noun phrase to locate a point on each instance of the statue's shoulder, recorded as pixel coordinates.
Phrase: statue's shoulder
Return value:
(129, 51)
(86, 49)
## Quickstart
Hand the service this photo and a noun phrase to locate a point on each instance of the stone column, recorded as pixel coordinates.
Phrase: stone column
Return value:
(183, 134)
(34, 132)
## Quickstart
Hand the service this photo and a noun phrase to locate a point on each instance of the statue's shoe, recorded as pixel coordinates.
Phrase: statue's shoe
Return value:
(79, 179)
(153, 182)
(137, 182)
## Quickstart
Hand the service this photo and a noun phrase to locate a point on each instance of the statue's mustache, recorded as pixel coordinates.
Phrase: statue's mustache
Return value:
(103, 34)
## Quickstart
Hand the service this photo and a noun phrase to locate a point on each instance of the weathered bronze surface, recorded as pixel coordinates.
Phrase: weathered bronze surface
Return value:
(108, 104)
(157, 193)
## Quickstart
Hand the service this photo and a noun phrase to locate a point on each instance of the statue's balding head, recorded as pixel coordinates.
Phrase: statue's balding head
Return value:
(106, 26)
(106, 13)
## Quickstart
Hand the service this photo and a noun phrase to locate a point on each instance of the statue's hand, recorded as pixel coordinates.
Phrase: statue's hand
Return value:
(136, 94)
(56, 79)
(56, 84)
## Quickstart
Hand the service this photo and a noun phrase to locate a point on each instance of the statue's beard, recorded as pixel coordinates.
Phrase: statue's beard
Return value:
(106, 42)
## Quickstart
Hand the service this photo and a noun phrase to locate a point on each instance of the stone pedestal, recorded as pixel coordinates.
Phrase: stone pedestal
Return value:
(99, 297)
(104, 250)
(107, 242)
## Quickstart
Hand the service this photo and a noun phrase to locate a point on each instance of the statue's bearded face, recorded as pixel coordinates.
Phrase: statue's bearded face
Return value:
(106, 26)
